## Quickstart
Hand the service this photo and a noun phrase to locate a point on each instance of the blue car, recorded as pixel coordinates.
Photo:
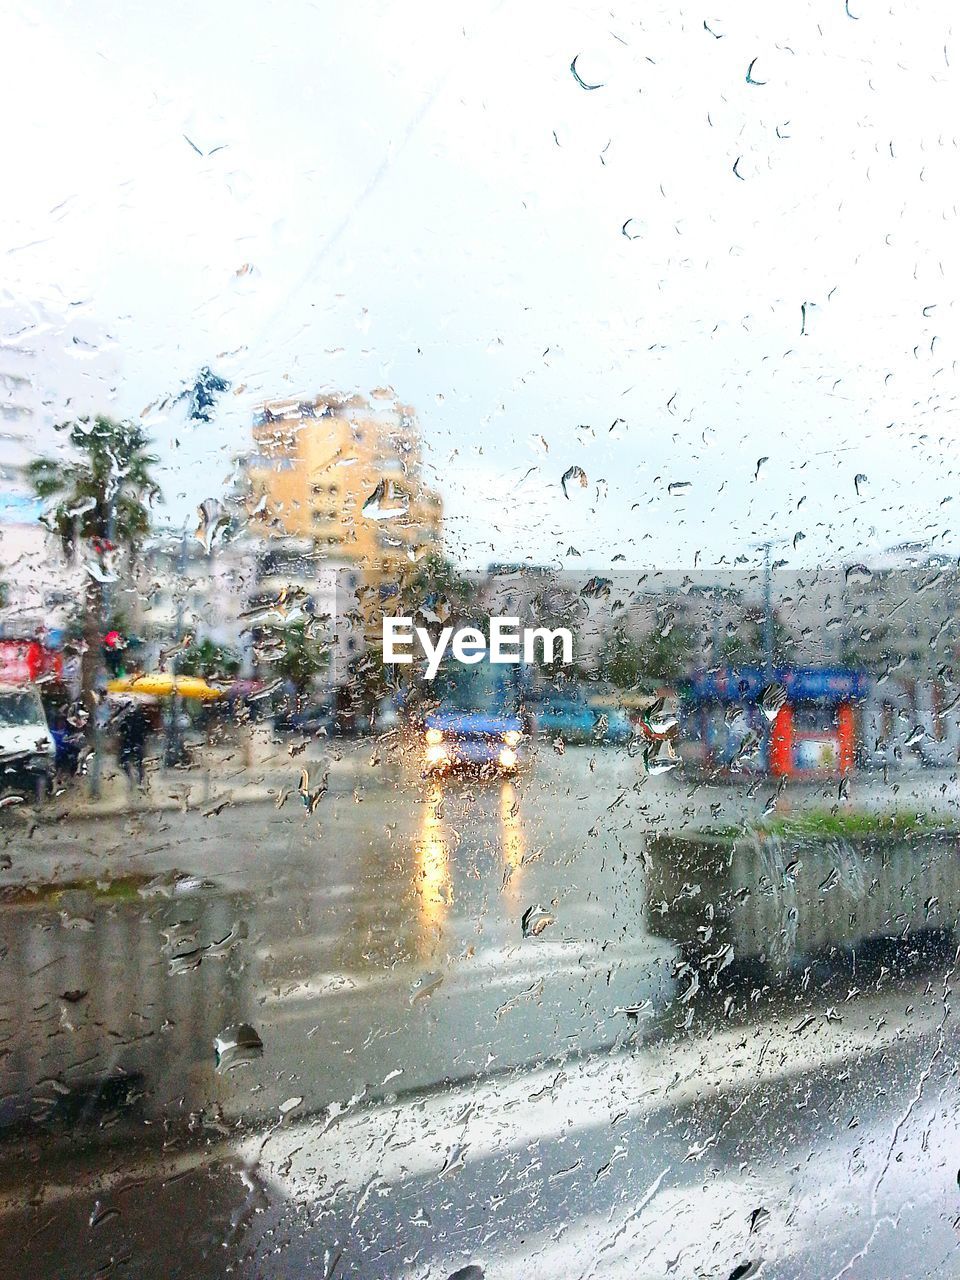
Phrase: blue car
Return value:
(476, 722)
(576, 721)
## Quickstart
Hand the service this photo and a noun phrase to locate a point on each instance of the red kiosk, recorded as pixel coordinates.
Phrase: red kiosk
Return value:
(813, 732)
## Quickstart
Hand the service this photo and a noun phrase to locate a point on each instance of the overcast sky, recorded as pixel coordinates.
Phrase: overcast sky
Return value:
(661, 280)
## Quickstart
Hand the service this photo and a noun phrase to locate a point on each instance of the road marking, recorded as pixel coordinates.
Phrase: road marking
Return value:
(393, 1142)
(412, 1138)
(490, 969)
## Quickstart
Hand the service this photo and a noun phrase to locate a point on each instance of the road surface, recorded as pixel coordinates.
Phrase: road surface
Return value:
(436, 1090)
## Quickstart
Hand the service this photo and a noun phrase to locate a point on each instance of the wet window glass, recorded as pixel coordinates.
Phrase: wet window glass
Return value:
(479, 581)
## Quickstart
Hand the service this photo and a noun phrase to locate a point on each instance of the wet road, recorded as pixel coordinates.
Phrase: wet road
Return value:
(434, 1088)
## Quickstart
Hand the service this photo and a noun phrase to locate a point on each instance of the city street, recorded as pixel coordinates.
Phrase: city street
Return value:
(424, 1083)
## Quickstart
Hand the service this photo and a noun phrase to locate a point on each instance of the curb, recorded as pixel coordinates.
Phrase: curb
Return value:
(163, 804)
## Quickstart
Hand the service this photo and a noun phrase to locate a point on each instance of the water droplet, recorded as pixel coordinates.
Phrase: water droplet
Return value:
(571, 474)
(758, 1218)
(535, 920)
(856, 574)
(744, 1270)
(387, 502)
(659, 758)
(212, 518)
(597, 588)
(750, 76)
(98, 573)
(658, 722)
(582, 83)
(82, 923)
(237, 1045)
(311, 798)
(749, 748)
(202, 395)
(425, 986)
(772, 698)
(100, 1214)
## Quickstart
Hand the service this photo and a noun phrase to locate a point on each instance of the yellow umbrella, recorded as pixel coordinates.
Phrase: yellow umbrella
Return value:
(163, 684)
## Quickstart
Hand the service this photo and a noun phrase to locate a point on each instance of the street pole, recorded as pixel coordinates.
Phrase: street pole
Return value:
(174, 748)
(96, 764)
(767, 615)
(766, 547)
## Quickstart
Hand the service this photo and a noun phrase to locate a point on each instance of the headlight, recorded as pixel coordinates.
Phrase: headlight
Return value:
(512, 737)
(436, 755)
(434, 736)
(507, 758)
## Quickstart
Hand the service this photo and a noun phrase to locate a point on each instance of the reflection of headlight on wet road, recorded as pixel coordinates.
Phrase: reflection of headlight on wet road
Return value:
(512, 738)
(436, 755)
(434, 736)
(507, 758)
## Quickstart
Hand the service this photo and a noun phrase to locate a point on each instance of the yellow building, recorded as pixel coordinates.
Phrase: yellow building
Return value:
(346, 473)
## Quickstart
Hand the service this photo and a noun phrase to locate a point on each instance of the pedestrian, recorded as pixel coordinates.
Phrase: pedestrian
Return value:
(132, 731)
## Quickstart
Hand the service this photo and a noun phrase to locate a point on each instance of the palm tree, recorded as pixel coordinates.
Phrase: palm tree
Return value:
(99, 499)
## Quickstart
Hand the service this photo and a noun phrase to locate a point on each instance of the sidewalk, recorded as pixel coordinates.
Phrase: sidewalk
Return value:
(252, 771)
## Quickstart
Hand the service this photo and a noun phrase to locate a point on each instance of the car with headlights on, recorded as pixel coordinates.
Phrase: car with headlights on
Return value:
(474, 721)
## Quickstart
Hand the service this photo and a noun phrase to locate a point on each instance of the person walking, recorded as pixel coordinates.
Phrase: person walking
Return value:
(132, 731)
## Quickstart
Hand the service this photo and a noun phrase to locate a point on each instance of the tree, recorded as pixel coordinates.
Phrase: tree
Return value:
(621, 660)
(746, 646)
(369, 680)
(437, 585)
(100, 498)
(209, 660)
(660, 657)
(103, 494)
(302, 657)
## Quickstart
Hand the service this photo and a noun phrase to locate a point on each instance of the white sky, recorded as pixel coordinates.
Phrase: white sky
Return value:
(389, 172)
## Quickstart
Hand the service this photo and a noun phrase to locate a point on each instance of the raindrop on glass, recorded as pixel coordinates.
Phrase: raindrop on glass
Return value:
(772, 698)
(386, 502)
(237, 1045)
(535, 920)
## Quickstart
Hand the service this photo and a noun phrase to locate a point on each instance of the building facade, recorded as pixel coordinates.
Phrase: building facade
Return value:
(39, 589)
(346, 473)
(233, 592)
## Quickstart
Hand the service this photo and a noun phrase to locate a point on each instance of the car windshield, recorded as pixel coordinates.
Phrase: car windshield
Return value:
(616, 344)
(18, 710)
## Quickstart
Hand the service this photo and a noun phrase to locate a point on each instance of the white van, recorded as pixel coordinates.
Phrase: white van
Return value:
(27, 748)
